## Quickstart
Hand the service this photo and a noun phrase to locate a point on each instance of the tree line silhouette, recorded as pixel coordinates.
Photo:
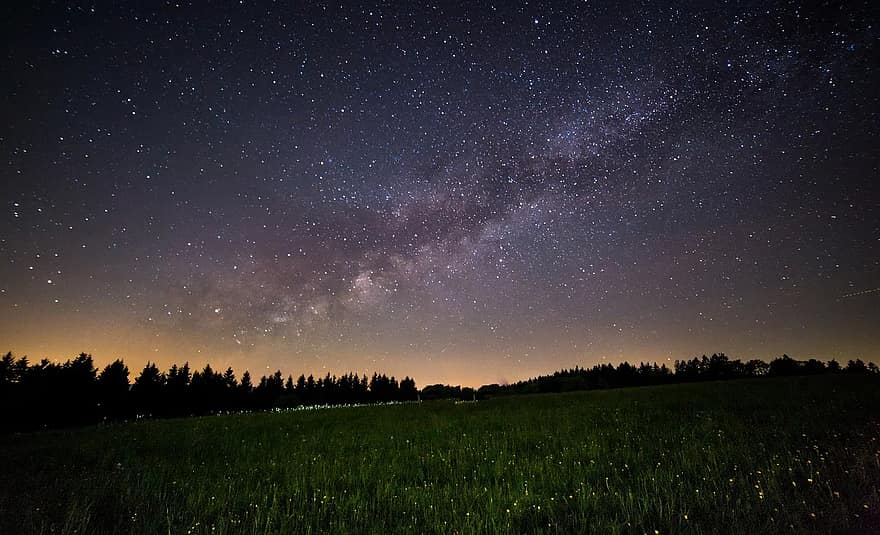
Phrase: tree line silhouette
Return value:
(715, 368)
(48, 394)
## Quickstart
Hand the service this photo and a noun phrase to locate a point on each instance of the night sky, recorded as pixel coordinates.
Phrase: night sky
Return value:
(465, 194)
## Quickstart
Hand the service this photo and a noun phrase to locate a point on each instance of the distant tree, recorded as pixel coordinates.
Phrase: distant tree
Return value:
(813, 367)
(171, 376)
(311, 387)
(439, 391)
(276, 383)
(756, 368)
(380, 388)
(150, 378)
(113, 387)
(147, 389)
(185, 375)
(7, 370)
(20, 369)
(178, 379)
(74, 389)
(489, 391)
(208, 373)
(212, 391)
(81, 371)
(408, 390)
(114, 378)
(783, 366)
(229, 378)
(246, 385)
(688, 370)
(856, 366)
(243, 397)
(11, 395)
(328, 389)
(178, 396)
(269, 390)
(718, 367)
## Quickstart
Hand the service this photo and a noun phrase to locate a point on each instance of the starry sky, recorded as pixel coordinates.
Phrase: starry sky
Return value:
(461, 192)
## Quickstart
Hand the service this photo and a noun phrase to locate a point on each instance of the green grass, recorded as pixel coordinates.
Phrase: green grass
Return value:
(776, 455)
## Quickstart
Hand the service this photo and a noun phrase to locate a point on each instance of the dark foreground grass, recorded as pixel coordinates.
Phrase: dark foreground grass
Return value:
(760, 456)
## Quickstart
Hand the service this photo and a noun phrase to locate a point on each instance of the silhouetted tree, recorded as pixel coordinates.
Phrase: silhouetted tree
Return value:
(756, 368)
(408, 391)
(784, 365)
(113, 389)
(246, 384)
(856, 366)
(74, 390)
(7, 370)
(813, 367)
(229, 378)
(147, 389)
(178, 379)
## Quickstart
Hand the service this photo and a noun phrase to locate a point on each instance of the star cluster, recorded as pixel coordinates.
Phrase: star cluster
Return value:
(460, 193)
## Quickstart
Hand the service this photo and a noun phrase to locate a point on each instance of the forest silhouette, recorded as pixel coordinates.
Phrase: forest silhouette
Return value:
(48, 394)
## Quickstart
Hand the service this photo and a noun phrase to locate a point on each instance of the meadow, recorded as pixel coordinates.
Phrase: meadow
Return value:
(798, 454)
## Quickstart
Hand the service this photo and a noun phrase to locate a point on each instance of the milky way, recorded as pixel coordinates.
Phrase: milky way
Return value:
(464, 194)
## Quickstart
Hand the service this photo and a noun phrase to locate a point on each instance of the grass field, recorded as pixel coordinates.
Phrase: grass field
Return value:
(758, 456)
